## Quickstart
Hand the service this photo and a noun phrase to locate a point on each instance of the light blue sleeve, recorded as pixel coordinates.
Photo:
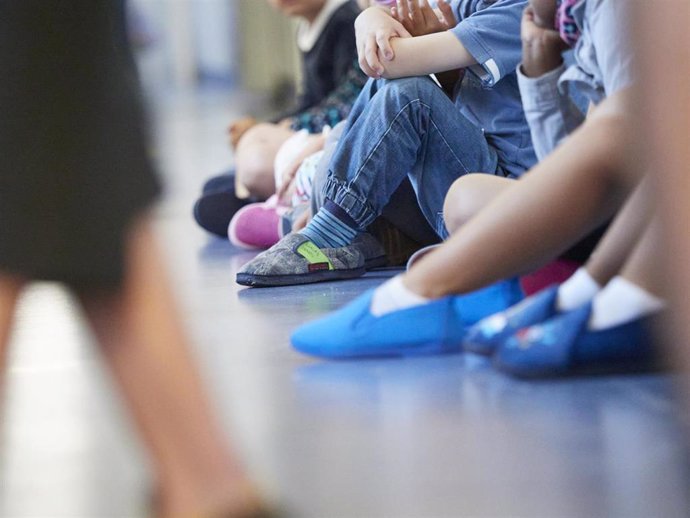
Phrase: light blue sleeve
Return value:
(490, 31)
(551, 115)
(609, 22)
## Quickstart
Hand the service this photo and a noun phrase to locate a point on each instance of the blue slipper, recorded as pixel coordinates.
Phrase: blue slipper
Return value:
(433, 328)
(485, 337)
(564, 345)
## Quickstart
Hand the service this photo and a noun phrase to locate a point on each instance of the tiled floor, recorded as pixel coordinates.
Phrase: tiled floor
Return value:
(413, 438)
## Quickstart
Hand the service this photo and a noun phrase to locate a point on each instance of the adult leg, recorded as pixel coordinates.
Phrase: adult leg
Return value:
(255, 155)
(10, 288)
(561, 200)
(142, 340)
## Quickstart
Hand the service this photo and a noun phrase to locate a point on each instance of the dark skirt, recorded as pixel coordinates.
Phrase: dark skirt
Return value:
(74, 166)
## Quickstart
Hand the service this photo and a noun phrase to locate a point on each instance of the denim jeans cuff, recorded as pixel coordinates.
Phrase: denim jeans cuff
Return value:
(358, 209)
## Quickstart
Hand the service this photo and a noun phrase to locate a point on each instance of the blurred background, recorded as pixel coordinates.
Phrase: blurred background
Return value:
(204, 63)
(191, 45)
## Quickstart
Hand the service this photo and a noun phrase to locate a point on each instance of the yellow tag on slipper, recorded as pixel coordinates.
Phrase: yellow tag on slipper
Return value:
(316, 258)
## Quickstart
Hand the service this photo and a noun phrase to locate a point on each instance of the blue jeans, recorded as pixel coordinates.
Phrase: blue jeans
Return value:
(398, 128)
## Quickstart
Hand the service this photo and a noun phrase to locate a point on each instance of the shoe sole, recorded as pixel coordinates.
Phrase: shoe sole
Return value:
(411, 351)
(376, 262)
(479, 350)
(604, 369)
(266, 281)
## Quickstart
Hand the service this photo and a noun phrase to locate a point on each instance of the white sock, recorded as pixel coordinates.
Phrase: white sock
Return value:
(392, 295)
(622, 301)
(577, 290)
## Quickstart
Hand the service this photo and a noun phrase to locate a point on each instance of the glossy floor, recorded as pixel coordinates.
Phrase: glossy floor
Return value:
(413, 438)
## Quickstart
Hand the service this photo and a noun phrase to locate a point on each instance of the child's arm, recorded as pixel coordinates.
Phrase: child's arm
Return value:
(374, 29)
(487, 40)
(420, 19)
(428, 54)
(386, 48)
(551, 115)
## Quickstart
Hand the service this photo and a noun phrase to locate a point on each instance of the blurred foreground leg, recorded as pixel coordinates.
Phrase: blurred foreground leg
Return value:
(10, 288)
(145, 346)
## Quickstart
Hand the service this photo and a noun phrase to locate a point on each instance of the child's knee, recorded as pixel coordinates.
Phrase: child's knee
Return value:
(457, 209)
(255, 156)
(256, 175)
(255, 171)
(468, 195)
(408, 88)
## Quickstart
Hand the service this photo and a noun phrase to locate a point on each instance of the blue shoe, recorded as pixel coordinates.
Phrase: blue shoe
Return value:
(485, 337)
(564, 346)
(434, 328)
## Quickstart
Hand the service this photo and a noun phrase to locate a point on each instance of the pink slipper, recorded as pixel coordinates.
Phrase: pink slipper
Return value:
(257, 225)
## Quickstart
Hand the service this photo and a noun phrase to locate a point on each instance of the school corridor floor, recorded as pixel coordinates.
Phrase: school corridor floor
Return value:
(412, 438)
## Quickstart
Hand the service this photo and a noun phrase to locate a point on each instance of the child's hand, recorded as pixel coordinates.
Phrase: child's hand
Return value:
(238, 128)
(374, 29)
(420, 19)
(541, 47)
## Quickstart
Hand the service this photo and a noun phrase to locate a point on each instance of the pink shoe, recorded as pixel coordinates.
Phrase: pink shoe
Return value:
(256, 225)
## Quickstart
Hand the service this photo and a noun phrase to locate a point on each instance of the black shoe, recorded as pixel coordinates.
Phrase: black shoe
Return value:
(221, 183)
(214, 211)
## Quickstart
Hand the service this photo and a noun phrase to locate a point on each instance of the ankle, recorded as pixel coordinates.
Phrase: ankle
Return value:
(232, 497)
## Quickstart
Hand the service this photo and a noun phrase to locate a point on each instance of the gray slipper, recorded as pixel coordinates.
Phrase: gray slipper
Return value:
(296, 260)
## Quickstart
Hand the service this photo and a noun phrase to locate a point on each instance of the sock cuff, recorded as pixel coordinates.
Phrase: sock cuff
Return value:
(399, 288)
(393, 295)
(627, 290)
(326, 230)
(622, 301)
(581, 287)
(339, 212)
(583, 276)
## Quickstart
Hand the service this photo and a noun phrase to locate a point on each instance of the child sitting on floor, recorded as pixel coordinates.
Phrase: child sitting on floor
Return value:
(578, 326)
(410, 126)
(331, 82)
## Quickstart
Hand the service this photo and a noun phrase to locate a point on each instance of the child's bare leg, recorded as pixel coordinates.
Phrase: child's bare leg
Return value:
(561, 200)
(144, 344)
(642, 266)
(634, 293)
(622, 236)
(468, 195)
(255, 155)
(10, 288)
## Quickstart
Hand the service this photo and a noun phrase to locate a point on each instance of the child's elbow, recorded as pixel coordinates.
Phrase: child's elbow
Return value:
(387, 74)
(391, 70)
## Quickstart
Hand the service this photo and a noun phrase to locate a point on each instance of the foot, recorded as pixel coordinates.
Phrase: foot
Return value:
(435, 327)
(213, 211)
(241, 500)
(487, 335)
(257, 225)
(296, 260)
(564, 345)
